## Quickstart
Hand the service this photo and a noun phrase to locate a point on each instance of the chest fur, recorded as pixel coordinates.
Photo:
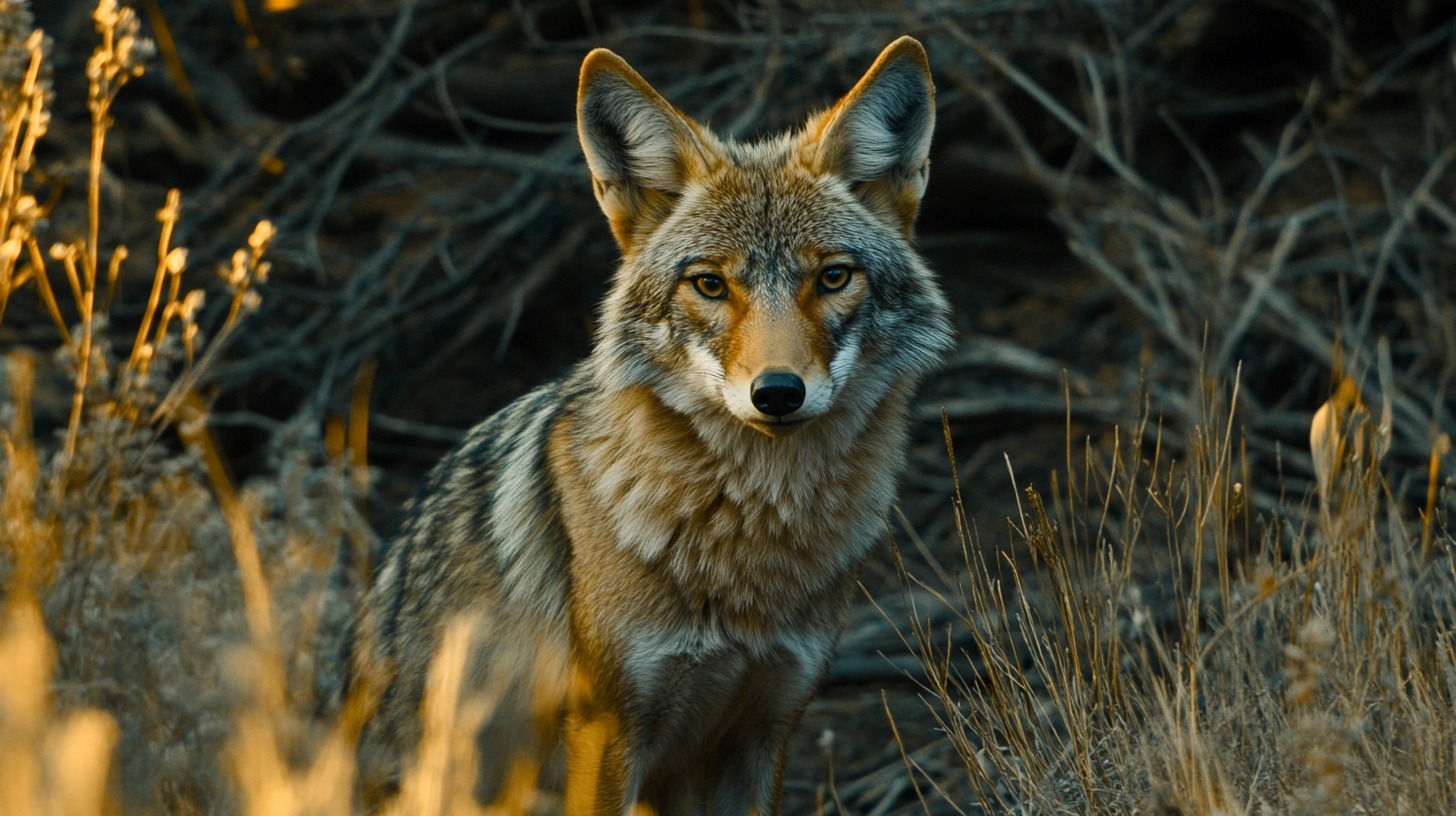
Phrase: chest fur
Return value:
(725, 518)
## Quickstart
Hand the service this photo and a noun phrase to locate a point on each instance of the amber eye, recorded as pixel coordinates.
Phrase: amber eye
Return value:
(834, 278)
(710, 286)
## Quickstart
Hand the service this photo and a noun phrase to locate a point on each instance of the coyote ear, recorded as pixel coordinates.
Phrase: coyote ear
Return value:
(878, 136)
(641, 150)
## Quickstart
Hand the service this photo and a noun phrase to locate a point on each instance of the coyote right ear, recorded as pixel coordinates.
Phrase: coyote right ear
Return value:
(640, 149)
(878, 136)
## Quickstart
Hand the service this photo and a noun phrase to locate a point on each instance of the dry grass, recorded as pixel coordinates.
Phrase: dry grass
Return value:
(127, 536)
(1194, 611)
(1170, 654)
(131, 527)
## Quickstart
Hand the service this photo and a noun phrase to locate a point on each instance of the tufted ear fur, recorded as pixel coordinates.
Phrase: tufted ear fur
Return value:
(878, 136)
(640, 149)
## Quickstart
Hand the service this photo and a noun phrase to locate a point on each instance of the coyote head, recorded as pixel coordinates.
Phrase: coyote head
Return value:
(771, 282)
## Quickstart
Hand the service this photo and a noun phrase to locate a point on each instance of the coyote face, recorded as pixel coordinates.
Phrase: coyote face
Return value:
(771, 283)
(661, 548)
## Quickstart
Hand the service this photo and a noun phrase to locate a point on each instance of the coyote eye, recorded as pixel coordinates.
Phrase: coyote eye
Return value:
(834, 278)
(710, 286)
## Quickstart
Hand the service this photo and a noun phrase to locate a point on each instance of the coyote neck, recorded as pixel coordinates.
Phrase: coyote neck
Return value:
(733, 520)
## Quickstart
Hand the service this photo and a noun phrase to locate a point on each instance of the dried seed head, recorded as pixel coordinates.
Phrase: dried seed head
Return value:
(262, 236)
(26, 211)
(172, 210)
(192, 304)
(1304, 669)
(10, 251)
(105, 14)
(176, 260)
(237, 271)
(121, 55)
(1316, 635)
(24, 71)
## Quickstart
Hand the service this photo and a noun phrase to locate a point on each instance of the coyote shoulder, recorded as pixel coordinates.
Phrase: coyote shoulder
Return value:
(658, 551)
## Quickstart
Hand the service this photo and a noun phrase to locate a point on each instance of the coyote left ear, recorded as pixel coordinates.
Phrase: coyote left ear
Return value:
(878, 136)
(640, 149)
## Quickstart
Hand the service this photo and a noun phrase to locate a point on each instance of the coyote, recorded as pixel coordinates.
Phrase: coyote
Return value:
(659, 550)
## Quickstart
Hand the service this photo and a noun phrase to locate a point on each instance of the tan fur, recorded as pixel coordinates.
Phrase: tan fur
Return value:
(660, 561)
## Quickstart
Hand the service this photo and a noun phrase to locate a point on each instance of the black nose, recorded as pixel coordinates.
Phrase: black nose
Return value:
(778, 393)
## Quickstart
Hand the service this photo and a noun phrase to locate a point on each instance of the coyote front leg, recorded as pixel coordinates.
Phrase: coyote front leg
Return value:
(752, 751)
(602, 774)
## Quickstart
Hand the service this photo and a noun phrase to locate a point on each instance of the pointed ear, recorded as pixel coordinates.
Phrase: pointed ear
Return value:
(640, 149)
(878, 136)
